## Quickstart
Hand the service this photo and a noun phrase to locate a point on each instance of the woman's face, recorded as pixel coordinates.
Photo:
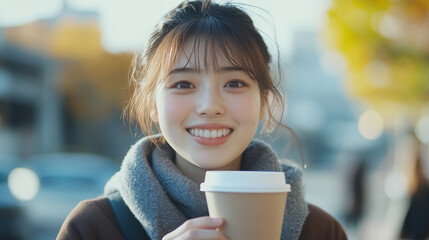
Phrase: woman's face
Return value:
(208, 117)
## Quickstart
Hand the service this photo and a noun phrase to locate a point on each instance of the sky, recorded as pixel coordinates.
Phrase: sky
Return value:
(125, 24)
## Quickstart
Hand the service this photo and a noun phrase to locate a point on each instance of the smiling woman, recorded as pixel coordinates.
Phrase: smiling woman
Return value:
(204, 82)
(220, 98)
(194, 47)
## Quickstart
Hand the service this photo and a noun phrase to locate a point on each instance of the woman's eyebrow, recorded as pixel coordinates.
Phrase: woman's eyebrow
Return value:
(183, 70)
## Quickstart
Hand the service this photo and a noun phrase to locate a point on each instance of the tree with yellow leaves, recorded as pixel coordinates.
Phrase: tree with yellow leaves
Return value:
(386, 47)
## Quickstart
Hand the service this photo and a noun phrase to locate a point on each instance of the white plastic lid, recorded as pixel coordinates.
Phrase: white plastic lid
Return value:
(245, 182)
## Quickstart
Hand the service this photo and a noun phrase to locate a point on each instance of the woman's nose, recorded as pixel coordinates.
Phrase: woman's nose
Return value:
(210, 103)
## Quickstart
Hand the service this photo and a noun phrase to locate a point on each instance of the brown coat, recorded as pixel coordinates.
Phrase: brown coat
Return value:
(94, 219)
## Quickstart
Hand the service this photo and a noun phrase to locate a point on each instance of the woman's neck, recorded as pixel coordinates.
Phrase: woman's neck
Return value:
(196, 173)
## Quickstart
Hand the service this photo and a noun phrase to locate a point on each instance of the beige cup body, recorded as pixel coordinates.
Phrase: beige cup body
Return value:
(249, 216)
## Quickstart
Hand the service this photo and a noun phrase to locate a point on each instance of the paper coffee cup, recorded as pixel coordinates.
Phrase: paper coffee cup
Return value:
(252, 203)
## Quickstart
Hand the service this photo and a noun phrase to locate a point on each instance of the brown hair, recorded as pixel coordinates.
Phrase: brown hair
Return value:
(225, 27)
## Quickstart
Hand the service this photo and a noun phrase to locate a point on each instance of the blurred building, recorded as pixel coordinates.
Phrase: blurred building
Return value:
(60, 91)
(61, 100)
(30, 106)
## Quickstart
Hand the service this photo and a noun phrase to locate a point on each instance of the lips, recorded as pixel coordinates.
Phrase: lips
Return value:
(210, 134)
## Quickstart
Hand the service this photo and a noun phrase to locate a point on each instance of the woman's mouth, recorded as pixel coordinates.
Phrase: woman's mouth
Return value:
(209, 133)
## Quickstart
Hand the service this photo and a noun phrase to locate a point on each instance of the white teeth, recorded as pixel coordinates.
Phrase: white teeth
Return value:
(206, 133)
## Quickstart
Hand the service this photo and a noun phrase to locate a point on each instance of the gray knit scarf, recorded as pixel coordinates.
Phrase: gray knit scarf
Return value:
(162, 198)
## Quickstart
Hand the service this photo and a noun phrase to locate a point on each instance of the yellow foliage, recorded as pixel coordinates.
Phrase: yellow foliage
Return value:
(386, 46)
(74, 39)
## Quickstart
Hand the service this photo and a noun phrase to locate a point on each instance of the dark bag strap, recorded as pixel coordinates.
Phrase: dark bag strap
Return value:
(131, 228)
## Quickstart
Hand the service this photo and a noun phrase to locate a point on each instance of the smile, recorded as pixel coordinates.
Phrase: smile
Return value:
(209, 133)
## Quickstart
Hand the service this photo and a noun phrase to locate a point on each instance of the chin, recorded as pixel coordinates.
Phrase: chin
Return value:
(214, 164)
(209, 166)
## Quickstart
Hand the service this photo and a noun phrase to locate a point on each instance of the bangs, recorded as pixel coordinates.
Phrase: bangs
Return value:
(213, 37)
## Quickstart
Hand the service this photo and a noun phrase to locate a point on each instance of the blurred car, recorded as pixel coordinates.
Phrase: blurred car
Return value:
(12, 218)
(65, 179)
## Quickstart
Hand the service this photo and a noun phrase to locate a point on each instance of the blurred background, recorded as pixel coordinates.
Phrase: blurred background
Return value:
(356, 82)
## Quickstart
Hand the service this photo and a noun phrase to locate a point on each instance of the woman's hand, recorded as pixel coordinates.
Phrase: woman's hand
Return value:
(198, 228)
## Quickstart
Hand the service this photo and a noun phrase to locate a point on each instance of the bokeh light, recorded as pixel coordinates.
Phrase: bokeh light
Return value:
(395, 185)
(370, 125)
(23, 184)
(422, 129)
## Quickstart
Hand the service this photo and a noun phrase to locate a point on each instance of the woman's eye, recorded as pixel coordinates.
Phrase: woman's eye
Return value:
(235, 84)
(183, 85)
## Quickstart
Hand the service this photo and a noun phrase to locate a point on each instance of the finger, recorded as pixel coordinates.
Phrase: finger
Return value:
(203, 222)
(203, 234)
(195, 223)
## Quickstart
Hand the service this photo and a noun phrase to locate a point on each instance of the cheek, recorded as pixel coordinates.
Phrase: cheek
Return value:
(247, 109)
(170, 110)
